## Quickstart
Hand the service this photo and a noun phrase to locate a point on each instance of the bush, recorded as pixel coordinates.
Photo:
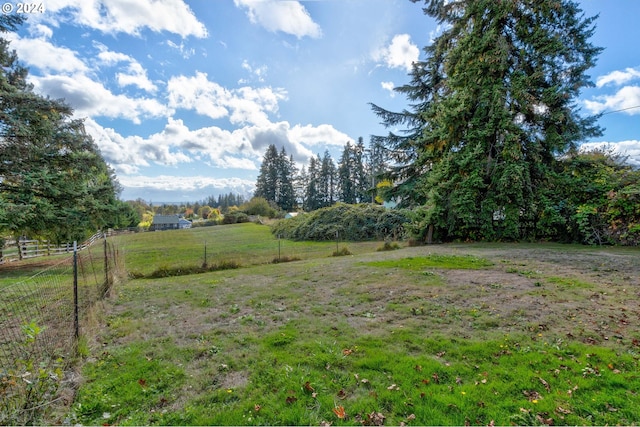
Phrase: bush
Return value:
(388, 246)
(261, 207)
(235, 218)
(343, 221)
(342, 252)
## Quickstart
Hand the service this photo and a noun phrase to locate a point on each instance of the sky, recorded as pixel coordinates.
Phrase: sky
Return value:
(183, 96)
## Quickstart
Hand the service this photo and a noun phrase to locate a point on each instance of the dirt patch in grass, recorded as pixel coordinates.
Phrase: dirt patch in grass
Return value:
(519, 292)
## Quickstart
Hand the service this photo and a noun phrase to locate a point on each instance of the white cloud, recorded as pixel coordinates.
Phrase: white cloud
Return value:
(629, 148)
(239, 149)
(618, 77)
(173, 145)
(115, 16)
(257, 73)
(189, 184)
(286, 16)
(627, 98)
(318, 135)
(389, 86)
(184, 51)
(90, 98)
(136, 75)
(41, 31)
(243, 106)
(401, 53)
(44, 55)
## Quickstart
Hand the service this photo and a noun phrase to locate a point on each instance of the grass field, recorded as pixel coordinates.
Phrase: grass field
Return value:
(437, 335)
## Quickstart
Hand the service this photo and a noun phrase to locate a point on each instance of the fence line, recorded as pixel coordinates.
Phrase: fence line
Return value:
(26, 248)
(38, 337)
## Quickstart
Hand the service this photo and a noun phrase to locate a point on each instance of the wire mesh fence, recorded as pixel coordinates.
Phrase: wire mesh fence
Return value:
(41, 318)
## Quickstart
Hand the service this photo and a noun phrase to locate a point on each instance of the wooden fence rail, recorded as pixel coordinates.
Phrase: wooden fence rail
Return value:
(23, 249)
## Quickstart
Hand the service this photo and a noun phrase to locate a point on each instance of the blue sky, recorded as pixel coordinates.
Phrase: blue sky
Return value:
(183, 97)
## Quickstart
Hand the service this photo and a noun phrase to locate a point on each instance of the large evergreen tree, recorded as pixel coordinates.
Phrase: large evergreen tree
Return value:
(493, 105)
(267, 183)
(312, 196)
(276, 178)
(346, 178)
(53, 180)
(328, 180)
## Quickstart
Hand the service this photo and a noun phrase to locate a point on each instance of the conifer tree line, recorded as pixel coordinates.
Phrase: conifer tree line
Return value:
(318, 184)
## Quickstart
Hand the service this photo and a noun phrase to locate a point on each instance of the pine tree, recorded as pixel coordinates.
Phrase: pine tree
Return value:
(276, 178)
(492, 106)
(54, 182)
(286, 197)
(313, 198)
(328, 180)
(346, 179)
(362, 180)
(267, 183)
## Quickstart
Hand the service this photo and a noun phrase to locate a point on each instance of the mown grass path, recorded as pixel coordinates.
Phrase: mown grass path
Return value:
(524, 334)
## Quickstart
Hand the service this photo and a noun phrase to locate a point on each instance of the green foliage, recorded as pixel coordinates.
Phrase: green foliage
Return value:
(492, 107)
(30, 382)
(235, 217)
(344, 251)
(347, 222)
(275, 181)
(596, 199)
(259, 206)
(54, 182)
(389, 246)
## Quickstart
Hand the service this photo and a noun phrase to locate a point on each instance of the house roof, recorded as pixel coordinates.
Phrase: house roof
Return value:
(166, 219)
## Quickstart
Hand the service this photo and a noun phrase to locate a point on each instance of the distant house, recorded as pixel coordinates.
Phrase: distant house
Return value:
(291, 215)
(169, 222)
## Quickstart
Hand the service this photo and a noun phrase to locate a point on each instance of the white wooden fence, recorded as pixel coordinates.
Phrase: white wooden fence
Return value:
(23, 249)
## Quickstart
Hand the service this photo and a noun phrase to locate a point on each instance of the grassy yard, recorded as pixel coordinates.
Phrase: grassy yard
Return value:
(438, 335)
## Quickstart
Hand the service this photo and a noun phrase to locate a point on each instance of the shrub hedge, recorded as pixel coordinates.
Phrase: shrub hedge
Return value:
(350, 222)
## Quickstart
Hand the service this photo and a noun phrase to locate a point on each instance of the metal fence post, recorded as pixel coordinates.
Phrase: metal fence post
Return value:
(106, 264)
(76, 322)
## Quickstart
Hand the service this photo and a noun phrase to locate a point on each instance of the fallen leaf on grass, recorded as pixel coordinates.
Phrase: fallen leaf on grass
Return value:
(542, 418)
(393, 387)
(307, 386)
(375, 419)
(347, 351)
(545, 384)
(561, 410)
(291, 399)
(142, 382)
(339, 411)
(342, 394)
(532, 395)
(257, 407)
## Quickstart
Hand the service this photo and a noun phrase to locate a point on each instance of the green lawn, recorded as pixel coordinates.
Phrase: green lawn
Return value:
(246, 244)
(436, 335)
